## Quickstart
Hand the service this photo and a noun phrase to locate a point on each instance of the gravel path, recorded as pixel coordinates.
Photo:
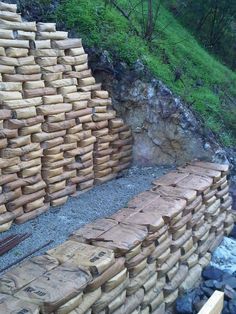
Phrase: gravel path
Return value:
(59, 222)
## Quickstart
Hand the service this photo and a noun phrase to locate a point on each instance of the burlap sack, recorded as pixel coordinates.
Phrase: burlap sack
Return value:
(158, 237)
(106, 298)
(26, 272)
(160, 249)
(184, 220)
(88, 300)
(9, 304)
(14, 52)
(6, 217)
(72, 280)
(34, 205)
(113, 270)
(5, 198)
(114, 281)
(25, 199)
(95, 258)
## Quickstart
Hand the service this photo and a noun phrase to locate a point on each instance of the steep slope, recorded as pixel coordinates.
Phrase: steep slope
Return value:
(207, 86)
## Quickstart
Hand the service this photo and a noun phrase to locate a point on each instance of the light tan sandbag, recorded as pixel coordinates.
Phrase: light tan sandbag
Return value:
(46, 27)
(56, 68)
(16, 52)
(151, 282)
(67, 90)
(56, 118)
(59, 201)
(160, 249)
(95, 258)
(151, 295)
(137, 282)
(46, 61)
(86, 185)
(6, 217)
(28, 172)
(74, 60)
(186, 256)
(13, 42)
(169, 263)
(10, 304)
(192, 260)
(131, 303)
(161, 309)
(113, 270)
(52, 76)
(10, 86)
(205, 260)
(114, 281)
(58, 126)
(202, 250)
(47, 53)
(71, 279)
(31, 215)
(2, 209)
(21, 275)
(88, 300)
(24, 199)
(172, 272)
(41, 137)
(30, 129)
(106, 298)
(194, 275)
(25, 35)
(54, 109)
(19, 141)
(157, 302)
(34, 205)
(70, 305)
(63, 82)
(21, 77)
(67, 43)
(38, 92)
(5, 226)
(134, 271)
(52, 35)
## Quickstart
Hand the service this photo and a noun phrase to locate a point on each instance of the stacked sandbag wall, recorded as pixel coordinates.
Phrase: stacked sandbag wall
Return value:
(59, 134)
(139, 260)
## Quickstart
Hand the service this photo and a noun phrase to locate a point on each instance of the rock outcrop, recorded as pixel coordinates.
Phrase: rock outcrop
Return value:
(165, 129)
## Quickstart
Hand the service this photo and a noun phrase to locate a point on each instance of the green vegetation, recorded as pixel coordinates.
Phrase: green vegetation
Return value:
(203, 82)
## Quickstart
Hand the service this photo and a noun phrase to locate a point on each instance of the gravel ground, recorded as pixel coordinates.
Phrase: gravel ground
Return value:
(101, 201)
(224, 256)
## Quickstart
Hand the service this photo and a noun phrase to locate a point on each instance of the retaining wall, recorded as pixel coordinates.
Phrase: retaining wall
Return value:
(138, 260)
(58, 131)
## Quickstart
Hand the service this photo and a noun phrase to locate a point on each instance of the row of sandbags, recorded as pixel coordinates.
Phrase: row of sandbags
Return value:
(59, 133)
(140, 259)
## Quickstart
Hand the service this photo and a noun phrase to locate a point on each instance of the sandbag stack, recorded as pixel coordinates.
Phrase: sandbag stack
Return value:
(22, 180)
(55, 137)
(121, 145)
(139, 260)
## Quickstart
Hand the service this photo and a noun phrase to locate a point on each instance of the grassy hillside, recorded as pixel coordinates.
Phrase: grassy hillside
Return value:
(207, 85)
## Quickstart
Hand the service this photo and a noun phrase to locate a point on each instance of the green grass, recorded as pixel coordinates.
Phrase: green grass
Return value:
(205, 84)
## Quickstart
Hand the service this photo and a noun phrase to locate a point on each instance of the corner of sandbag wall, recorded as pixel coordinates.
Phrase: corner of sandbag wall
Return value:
(59, 132)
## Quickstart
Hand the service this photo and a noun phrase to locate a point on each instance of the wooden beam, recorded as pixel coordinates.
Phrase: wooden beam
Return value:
(214, 305)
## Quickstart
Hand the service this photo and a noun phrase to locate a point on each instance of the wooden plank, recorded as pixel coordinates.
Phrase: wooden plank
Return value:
(214, 305)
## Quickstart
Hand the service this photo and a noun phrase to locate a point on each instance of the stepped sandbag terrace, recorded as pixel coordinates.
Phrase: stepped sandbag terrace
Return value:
(59, 134)
(139, 260)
